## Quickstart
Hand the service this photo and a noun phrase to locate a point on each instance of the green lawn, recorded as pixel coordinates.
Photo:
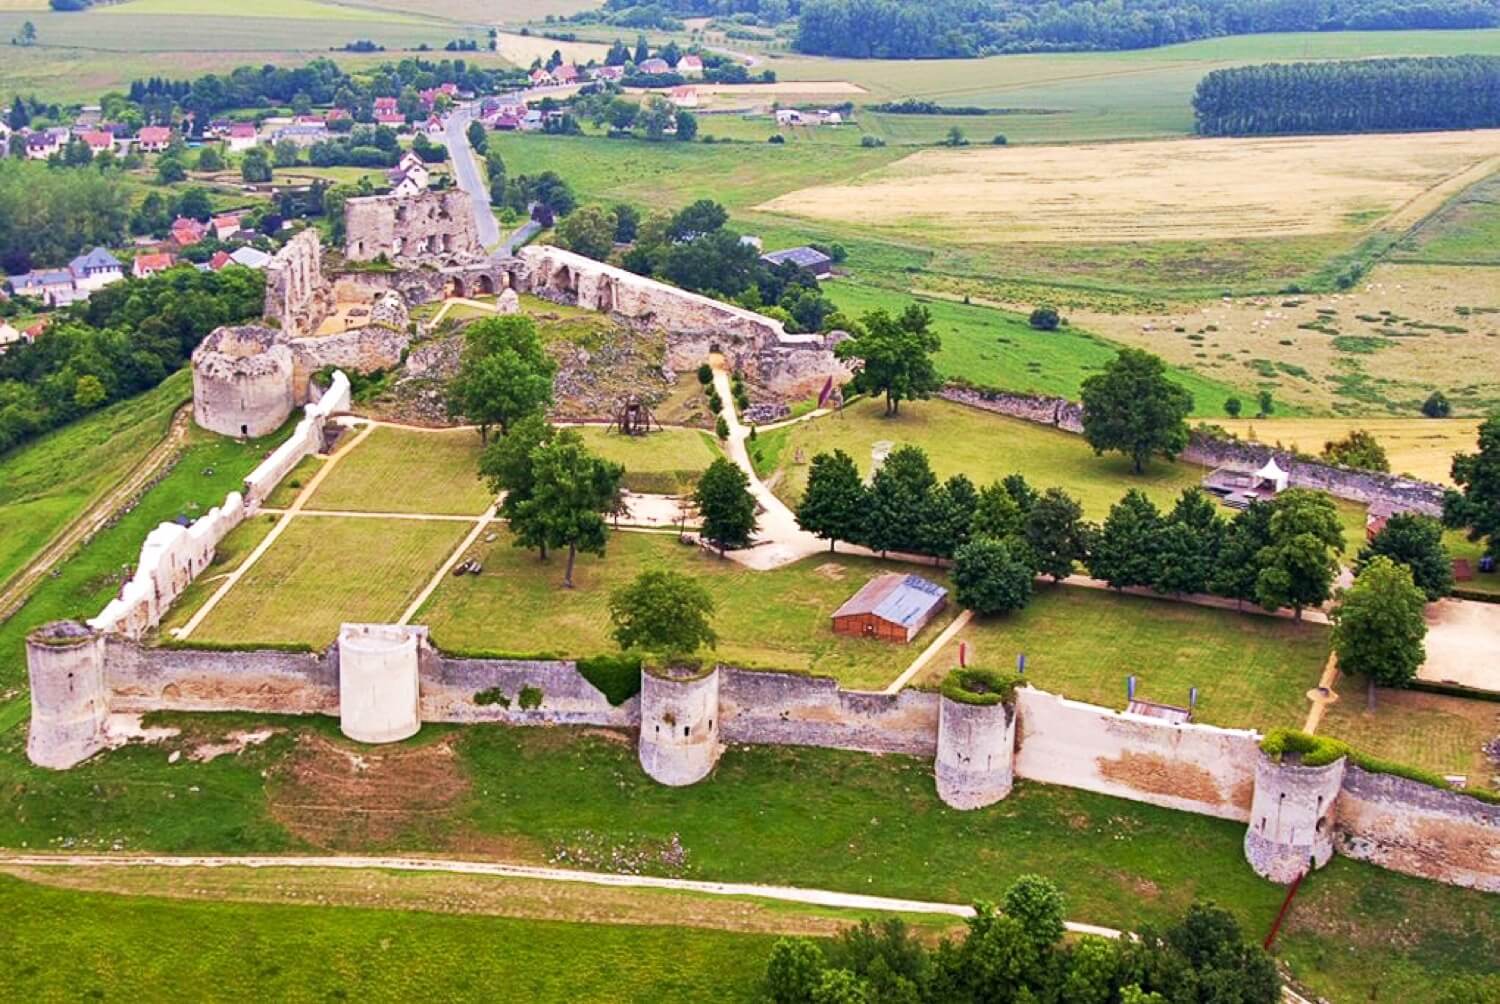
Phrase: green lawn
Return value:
(765, 620)
(666, 462)
(1445, 735)
(323, 571)
(408, 471)
(999, 349)
(1464, 232)
(47, 483)
(211, 467)
(147, 948)
(1251, 671)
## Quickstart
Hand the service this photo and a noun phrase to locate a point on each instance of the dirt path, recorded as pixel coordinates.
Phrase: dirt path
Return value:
(96, 515)
(781, 894)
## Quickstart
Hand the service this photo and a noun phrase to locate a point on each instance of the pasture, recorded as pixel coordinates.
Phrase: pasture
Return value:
(1251, 671)
(1464, 232)
(323, 571)
(1378, 349)
(1173, 190)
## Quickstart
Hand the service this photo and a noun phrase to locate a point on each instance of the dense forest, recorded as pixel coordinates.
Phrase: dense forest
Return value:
(49, 215)
(930, 28)
(123, 340)
(1365, 95)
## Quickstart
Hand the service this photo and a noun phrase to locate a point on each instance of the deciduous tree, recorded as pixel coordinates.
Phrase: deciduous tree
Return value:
(503, 374)
(725, 505)
(664, 613)
(589, 230)
(1475, 505)
(988, 579)
(1056, 534)
(1378, 625)
(1415, 541)
(1124, 554)
(570, 492)
(833, 505)
(1299, 564)
(894, 355)
(1133, 408)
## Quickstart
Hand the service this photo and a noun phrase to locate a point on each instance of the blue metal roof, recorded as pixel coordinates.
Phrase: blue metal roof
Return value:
(900, 599)
(804, 257)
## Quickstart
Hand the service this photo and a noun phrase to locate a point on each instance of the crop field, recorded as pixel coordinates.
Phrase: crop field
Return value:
(47, 483)
(408, 471)
(156, 948)
(1172, 190)
(1378, 349)
(323, 571)
(522, 50)
(998, 348)
(1251, 671)
(1423, 448)
(765, 620)
(1464, 232)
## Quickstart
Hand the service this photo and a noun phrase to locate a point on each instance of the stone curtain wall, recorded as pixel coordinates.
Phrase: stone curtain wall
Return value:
(429, 228)
(784, 709)
(1194, 768)
(449, 687)
(173, 556)
(1342, 482)
(140, 678)
(1417, 829)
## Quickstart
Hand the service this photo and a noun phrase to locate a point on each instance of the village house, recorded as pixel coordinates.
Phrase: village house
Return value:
(186, 232)
(829, 117)
(97, 141)
(690, 66)
(433, 126)
(506, 123)
(226, 226)
(891, 607)
(219, 260)
(541, 78)
(54, 287)
(241, 136)
(684, 97)
(41, 145)
(153, 139)
(532, 121)
(336, 115)
(9, 336)
(653, 66)
(567, 73)
(302, 135)
(96, 270)
(809, 258)
(388, 112)
(607, 72)
(409, 177)
(150, 264)
(789, 116)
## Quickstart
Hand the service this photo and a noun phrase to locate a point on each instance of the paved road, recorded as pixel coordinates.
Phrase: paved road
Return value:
(469, 178)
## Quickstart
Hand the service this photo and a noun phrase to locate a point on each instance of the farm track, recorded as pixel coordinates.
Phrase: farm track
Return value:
(95, 516)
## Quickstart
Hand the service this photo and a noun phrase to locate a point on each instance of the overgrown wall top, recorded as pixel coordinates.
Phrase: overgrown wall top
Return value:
(786, 709)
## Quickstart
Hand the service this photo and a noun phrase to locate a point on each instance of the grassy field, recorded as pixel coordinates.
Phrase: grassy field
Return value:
(665, 462)
(323, 571)
(997, 348)
(148, 947)
(1251, 671)
(1464, 232)
(210, 467)
(1445, 735)
(408, 471)
(46, 484)
(767, 620)
(1421, 448)
(875, 826)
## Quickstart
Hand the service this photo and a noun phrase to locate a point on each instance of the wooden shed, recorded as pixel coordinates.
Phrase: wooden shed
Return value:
(890, 607)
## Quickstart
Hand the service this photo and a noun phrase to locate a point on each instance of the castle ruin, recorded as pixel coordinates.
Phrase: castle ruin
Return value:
(430, 228)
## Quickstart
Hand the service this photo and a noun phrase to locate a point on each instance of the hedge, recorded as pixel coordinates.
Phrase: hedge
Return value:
(618, 677)
(1320, 751)
(1461, 593)
(189, 645)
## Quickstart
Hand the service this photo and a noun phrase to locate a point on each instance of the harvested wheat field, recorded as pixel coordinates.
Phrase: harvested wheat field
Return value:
(1193, 189)
(1423, 448)
(1378, 349)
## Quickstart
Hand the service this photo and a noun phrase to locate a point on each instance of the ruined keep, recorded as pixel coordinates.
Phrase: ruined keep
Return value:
(430, 228)
(242, 381)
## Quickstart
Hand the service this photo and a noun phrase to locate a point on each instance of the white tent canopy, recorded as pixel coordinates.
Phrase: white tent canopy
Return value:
(1273, 473)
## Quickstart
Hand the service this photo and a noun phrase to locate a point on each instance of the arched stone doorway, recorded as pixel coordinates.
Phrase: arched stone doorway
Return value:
(486, 284)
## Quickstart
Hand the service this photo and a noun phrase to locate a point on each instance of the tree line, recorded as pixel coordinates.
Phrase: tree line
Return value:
(1362, 95)
(51, 215)
(897, 29)
(1019, 951)
(124, 340)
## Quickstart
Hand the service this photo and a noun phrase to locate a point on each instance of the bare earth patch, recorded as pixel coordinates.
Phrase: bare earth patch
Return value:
(337, 797)
(1172, 190)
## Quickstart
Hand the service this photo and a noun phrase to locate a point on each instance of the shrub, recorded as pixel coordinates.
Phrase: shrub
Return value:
(715, 402)
(721, 428)
(530, 698)
(871, 141)
(705, 374)
(493, 695)
(618, 677)
(777, 138)
(1436, 405)
(1045, 319)
(980, 687)
(999, 139)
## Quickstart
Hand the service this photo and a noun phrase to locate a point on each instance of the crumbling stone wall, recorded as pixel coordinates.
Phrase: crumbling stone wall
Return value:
(297, 296)
(1417, 829)
(140, 678)
(1194, 768)
(363, 350)
(450, 688)
(759, 346)
(1055, 411)
(785, 709)
(428, 228)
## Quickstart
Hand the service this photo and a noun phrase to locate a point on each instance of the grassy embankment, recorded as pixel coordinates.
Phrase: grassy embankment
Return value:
(48, 483)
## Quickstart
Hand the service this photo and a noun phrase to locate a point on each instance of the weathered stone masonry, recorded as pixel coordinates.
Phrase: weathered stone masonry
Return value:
(383, 681)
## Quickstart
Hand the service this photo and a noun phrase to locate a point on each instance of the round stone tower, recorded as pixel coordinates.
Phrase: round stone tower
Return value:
(379, 692)
(679, 723)
(976, 742)
(242, 381)
(1291, 816)
(69, 701)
